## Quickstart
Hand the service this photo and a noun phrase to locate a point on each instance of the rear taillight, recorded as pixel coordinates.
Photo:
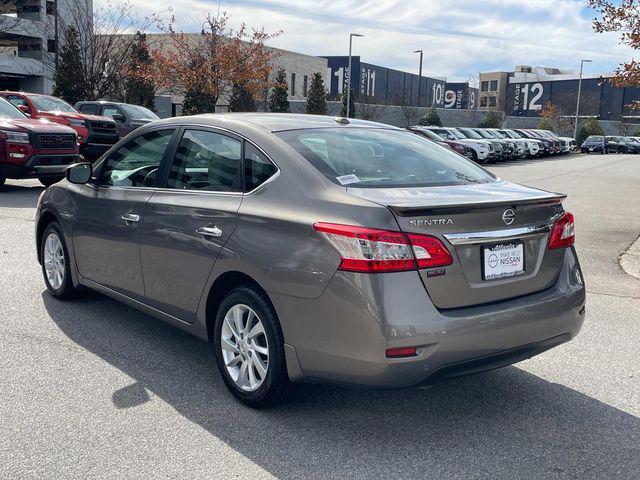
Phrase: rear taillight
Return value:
(563, 232)
(371, 250)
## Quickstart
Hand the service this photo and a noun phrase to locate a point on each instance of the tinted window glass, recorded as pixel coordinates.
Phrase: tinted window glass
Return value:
(136, 163)
(206, 161)
(89, 108)
(382, 158)
(257, 167)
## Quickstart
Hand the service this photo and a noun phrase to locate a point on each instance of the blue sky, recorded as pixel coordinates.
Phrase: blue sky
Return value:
(459, 38)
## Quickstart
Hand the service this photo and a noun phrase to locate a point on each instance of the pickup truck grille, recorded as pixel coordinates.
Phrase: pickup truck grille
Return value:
(55, 141)
(99, 126)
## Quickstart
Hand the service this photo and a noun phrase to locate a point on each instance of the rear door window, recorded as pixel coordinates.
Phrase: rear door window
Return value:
(382, 158)
(206, 160)
(89, 108)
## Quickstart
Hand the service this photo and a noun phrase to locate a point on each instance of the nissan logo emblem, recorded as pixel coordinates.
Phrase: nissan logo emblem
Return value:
(508, 216)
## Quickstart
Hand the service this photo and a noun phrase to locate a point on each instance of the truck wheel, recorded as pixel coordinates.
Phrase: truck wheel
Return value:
(48, 181)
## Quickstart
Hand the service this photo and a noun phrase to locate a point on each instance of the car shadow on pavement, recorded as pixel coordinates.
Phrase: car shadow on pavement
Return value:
(502, 424)
(19, 196)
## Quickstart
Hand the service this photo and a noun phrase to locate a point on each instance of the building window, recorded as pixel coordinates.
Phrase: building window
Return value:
(27, 9)
(305, 81)
(51, 7)
(483, 101)
(494, 86)
(51, 46)
(492, 101)
(485, 86)
(293, 84)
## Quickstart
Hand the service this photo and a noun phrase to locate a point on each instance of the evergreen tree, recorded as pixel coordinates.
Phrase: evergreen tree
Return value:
(137, 90)
(317, 97)
(491, 120)
(196, 102)
(431, 118)
(279, 98)
(352, 105)
(69, 66)
(545, 124)
(241, 99)
(590, 127)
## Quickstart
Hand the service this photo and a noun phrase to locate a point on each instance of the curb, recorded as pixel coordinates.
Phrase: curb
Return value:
(630, 260)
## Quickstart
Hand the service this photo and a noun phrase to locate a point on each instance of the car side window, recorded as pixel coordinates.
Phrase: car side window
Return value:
(208, 161)
(136, 163)
(89, 108)
(257, 167)
(109, 111)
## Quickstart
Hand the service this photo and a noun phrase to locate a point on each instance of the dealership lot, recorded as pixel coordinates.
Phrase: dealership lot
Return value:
(94, 388)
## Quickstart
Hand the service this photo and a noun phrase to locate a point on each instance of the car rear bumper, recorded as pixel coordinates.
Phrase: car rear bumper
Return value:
(342, 336)
(39, 166)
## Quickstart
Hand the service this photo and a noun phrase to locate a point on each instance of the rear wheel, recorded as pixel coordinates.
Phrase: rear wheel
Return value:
(249, 349)
(55, 263)
(48, 181)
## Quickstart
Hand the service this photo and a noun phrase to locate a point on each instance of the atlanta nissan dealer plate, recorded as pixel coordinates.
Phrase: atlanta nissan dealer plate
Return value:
(503, 260)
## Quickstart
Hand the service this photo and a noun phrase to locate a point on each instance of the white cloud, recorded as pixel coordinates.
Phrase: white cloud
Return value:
(458, 37)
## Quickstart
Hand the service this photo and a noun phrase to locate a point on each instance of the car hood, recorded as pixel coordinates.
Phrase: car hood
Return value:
(498, 192)
(34, 125)
(473, 141)
(81, 116)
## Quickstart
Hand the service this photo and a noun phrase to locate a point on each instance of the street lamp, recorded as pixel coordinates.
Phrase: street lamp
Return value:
(351, 35)
(575, 129)
(419, 75)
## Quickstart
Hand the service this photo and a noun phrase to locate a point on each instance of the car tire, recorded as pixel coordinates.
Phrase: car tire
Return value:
(48, 181)
(252, 366)
(56, 269)
(2, 180)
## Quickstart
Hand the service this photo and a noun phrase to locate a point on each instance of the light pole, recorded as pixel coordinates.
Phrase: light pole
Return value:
(419, 75)
(351, 35)
(575, 129)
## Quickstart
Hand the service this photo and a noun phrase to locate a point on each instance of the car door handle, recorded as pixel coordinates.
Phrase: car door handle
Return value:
(209, 231)
(130, 217)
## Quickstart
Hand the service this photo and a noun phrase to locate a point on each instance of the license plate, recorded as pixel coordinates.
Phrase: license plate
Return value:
(503, 260)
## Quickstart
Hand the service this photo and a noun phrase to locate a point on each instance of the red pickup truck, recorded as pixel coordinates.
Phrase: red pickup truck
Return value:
(96, 134)
(34, 148)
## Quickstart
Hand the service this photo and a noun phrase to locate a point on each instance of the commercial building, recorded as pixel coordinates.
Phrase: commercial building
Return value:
(525, 91)
(28, 41)
(460, 96)
(376, 84)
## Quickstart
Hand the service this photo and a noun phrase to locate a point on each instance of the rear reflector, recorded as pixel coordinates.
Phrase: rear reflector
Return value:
(401, 352)
(563, 232)
(372, 250)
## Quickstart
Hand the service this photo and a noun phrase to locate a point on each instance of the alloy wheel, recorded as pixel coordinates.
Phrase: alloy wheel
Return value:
(54, 261)
(245, 349)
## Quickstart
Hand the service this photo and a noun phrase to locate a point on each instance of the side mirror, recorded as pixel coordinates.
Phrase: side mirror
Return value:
(79, 173)
(25, 109)
(119, 118)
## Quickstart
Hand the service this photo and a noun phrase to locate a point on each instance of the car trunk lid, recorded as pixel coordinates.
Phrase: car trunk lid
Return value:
(497, 217)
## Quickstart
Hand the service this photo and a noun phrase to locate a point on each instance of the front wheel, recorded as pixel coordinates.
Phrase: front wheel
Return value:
(48, 181)
(55, 263)
(249, 349)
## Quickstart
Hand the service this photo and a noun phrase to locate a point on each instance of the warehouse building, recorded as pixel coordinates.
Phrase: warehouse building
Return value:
(525, 91)
(376, 84)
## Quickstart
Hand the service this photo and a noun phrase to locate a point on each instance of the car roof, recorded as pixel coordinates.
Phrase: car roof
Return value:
(274, 122)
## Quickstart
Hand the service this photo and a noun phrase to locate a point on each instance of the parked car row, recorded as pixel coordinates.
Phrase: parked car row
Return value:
(610, 144)
(484, 145)
(41, 135)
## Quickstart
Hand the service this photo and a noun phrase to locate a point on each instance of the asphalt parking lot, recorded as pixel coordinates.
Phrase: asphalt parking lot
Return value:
(94, 389)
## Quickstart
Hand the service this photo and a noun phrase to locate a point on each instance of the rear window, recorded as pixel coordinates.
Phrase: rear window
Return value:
(382, 158)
